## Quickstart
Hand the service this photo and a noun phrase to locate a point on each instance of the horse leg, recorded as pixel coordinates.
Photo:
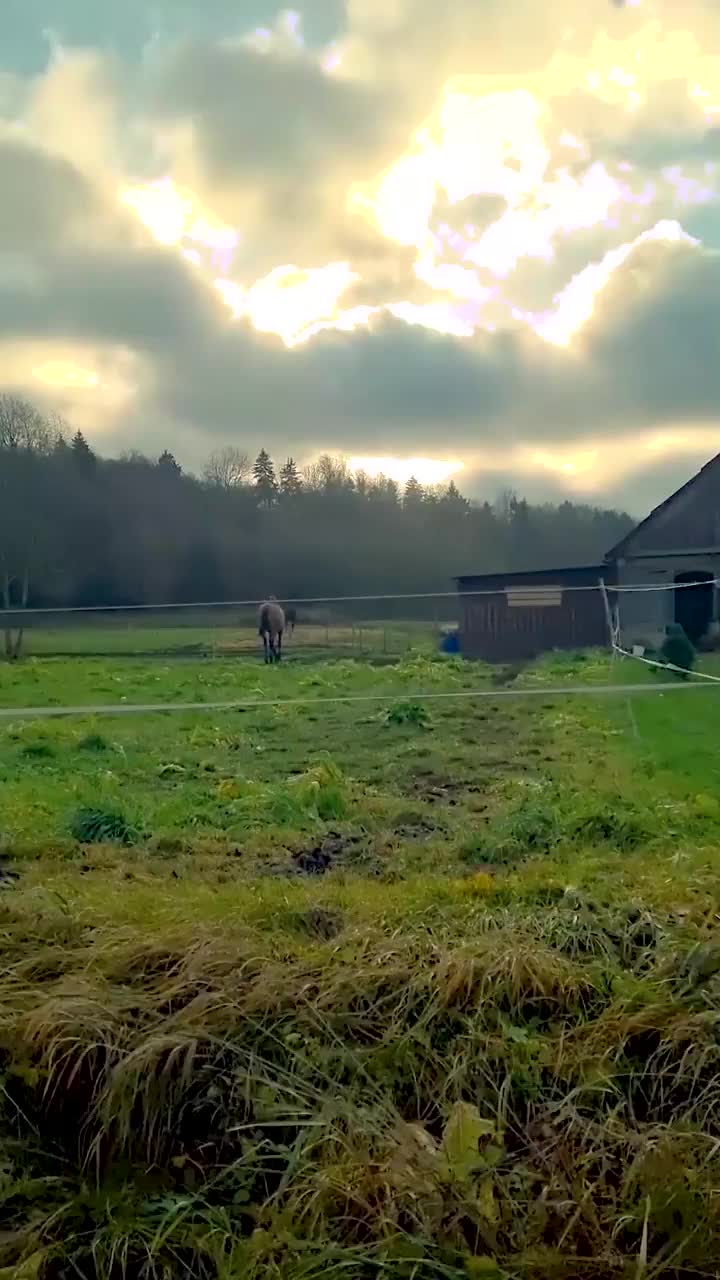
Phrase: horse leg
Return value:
(265, 647)
(278, 651)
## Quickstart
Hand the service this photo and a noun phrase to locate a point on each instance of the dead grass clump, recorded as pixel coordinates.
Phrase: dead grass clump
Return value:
(515, 974)
(358, 1104)
(319, 922)
(583, 929)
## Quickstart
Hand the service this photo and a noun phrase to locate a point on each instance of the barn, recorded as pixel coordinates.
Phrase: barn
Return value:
(509, 616)
(673, 555)
(676, 548)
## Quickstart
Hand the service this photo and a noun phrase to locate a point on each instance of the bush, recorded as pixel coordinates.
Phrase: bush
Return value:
(677, 650)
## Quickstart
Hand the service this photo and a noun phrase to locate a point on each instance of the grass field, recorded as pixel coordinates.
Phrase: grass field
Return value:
(154, 635)
(405, 988)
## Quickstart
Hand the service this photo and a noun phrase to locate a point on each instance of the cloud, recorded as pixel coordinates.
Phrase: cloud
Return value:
(275, 143)
(658, 336)
(401, 387)
(453, 169)
(649, 357)
(47, 201)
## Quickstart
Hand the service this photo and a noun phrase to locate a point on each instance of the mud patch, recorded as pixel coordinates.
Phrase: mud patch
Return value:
(436, 788)
(334, 850)
(415, 828)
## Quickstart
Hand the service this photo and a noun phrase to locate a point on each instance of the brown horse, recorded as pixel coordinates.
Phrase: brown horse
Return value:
(271, 624)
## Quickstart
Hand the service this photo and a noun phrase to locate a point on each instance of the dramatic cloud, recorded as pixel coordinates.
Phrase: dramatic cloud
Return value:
(487, 235)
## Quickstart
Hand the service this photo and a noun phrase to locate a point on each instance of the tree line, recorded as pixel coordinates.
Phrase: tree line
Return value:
(80, 529)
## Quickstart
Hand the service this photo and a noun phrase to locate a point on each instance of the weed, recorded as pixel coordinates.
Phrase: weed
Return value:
(412, 713)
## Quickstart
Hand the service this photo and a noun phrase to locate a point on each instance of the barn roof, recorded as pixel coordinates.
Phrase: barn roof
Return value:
(567, 574)
(622, 545)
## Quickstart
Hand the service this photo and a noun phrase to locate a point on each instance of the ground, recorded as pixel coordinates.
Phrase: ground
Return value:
(224, 631)
(413, 987)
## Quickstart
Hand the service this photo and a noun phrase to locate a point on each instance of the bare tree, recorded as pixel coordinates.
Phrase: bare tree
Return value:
(22, 426)
(27, 440)
(227, 468)
(23, 537)
(328, 473)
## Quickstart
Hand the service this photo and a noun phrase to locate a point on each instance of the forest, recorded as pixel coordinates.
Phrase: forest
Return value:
(80, 529)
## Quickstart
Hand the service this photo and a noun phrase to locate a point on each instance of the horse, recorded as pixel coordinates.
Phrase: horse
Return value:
(271, 624)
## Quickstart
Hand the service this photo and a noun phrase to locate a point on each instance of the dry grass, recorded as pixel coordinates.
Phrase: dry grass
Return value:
(215, 1105)
(483, 1039)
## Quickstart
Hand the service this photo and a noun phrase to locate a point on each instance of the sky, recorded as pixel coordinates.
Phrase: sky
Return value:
(479, 240)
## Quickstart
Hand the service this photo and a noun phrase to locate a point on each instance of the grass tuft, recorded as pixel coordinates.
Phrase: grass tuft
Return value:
(97, 826)
(38, 751)
(93, 742)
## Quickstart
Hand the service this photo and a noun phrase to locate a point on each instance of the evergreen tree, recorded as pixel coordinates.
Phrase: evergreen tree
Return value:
(167, 463)
(264, 476)
(134, 532)
(81, 453)
(290, 481)
(453, 498)
(413, 495)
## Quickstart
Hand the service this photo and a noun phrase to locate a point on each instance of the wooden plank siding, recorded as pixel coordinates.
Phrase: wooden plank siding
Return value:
(528, 614)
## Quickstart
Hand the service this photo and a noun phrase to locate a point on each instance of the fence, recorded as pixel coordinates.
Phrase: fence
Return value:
(375, 628)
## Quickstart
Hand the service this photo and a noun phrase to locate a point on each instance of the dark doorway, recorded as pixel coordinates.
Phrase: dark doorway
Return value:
(694, 603)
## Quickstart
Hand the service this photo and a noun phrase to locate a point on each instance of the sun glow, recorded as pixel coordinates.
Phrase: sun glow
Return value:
(427, 471)
(173, 217)
(489, 183)
(63, 373)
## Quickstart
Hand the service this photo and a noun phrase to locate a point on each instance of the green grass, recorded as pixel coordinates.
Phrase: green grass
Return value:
(210, 636)
(398, 989)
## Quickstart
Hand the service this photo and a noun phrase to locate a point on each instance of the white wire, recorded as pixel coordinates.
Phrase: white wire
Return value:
(665, 666)
(409, 595)
(259, 704)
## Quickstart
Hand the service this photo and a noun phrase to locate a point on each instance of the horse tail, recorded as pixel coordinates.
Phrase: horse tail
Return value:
(277, 618)
(271, 619)
(264, 625)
